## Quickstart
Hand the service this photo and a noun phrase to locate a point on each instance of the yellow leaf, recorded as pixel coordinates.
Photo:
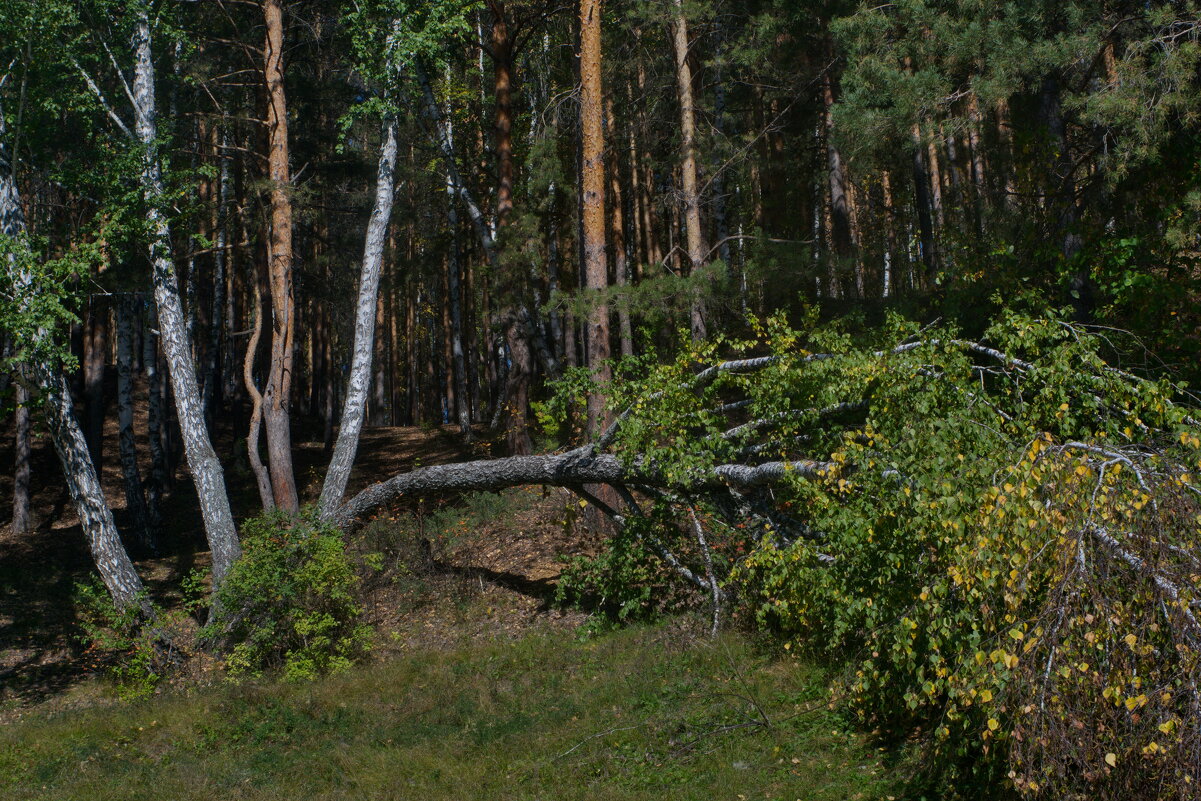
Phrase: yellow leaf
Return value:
(1111, 759)
(993, 723)
(1131, 640)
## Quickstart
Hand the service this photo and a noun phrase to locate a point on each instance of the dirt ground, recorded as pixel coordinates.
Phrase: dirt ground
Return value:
(489, 578)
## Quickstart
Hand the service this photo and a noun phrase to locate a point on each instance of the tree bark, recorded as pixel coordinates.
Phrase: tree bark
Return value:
(22, 511)
(202, 459)
(592, 189)
(338, 473)
(575, 468)
(697, 253)
(622, 250)
(95, 518)
(261, 477)
(502, 64)
(95, 349)
(842, 241)
(276, 399)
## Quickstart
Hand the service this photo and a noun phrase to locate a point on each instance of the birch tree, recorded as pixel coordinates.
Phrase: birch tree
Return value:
(27, 317)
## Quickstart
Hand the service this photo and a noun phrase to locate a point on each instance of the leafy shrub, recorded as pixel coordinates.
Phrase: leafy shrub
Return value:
(628, 580)
(996, 537)
(134, 644)
(1004, 557)
(289, 602)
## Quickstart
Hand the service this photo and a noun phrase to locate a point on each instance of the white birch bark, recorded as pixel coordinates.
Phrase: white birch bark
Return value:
(202, 459)
(95, 518)
(338, 473)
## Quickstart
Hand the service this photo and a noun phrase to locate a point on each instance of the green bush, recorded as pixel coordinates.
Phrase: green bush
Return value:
(290, 602)
(628, 581)
(134, 645)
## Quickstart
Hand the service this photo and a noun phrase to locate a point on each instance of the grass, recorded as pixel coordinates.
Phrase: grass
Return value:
(645, 713)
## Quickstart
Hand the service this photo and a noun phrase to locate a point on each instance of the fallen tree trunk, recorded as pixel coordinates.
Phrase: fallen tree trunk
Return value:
(572, 469)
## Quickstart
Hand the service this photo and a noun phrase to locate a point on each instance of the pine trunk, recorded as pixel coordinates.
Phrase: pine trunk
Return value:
(592, 190)
(277, 398)
(697, 254)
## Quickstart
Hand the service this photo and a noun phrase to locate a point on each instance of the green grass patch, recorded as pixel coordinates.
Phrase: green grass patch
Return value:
(636, 714)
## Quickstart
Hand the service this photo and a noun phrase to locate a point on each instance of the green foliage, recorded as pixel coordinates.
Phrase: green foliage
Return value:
(1003, 562)
(626, 581)
(289, 602)
(37, 320)
(133, 645)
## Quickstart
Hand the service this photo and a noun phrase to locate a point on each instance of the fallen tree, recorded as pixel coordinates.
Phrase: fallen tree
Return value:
(998, 537)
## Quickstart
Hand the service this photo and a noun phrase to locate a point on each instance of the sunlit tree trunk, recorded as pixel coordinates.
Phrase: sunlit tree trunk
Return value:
(592, 190)
(697, 254)
(202, 459)
(502, 65)
(277, 397)
(338, 473)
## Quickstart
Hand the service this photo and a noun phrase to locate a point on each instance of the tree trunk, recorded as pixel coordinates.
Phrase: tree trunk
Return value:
(95, 518)
(135, 502)
(202, 459)
(154, 425)
(95, 350)
(454, 266)
(502, 64)
(277, 398)
(622, 251)
(842, 242)
(22, 511)
(697, 253)
(262, 479)
(338, 473)
(217, 334)
(577, 468)
(592, 190)
(1063, 195)
(921, 186)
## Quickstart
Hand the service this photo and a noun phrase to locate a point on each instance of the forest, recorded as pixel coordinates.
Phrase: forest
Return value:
(864, 330)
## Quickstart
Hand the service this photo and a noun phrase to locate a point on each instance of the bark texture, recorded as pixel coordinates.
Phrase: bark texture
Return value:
(276, 399)
(202, 459)
(573, 469)
(592, 210)
(697, 254)
(95, 518)
(338, 472)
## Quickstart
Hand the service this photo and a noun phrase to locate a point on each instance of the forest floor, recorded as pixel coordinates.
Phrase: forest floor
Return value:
(515, 549)
(479, 685)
